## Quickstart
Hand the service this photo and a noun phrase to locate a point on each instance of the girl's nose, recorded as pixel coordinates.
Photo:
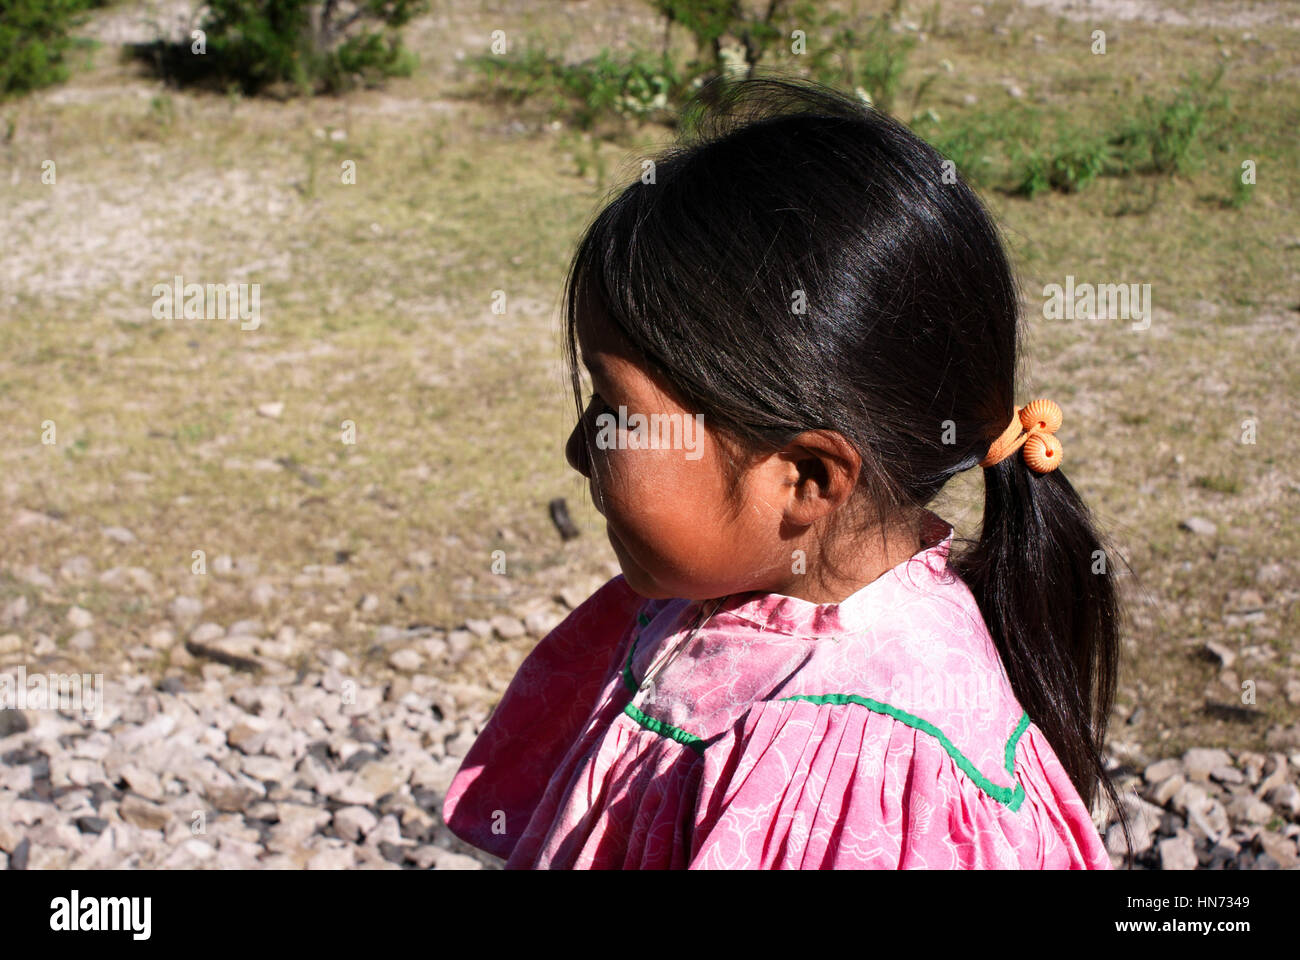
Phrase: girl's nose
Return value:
(575, 450)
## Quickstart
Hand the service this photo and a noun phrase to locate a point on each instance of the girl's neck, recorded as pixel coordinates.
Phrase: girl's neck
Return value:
(834, 582)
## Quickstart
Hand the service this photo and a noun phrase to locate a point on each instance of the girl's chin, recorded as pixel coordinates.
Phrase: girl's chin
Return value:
(632, 572)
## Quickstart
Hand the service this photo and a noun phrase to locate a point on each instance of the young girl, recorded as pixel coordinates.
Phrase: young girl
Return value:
(795, 670)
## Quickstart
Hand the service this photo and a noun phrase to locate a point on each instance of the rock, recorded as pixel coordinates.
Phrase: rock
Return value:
(1188, 795)
(142, 813)
(91, 825)
(381, 777)
(10, 837)
(1166, 789)
(446, 860)
(207, 632)
(119, 534)
(76, 568)
(1286, 797)
(14, 611)
(234, 652)
(80, 618)
(1209, 821)
(460, 642)
(1199, 761)
(142, 736)
(1219, 652)
(267, 769)
(35, 576)
(265, 701)
(179, 657)
(1249, 810)
(333, 858)
(1270, 574)
(1115, 840)
(184, 610)
(1199, 526)
(416, 824)
(509, 628)
(1161, 770)
(249, 735)
(1292, 689)
(573, 597)
(1280, 848)
(406, 660)
(302, 819)
(542, 622)
(82, 640)
(162, 639)
(1178, 852)
(263, 594)
(128, 578)
(142, 782)
(1227, 775)
(272, 411)
(420, 559)
(1283, 738)
(424, 857)
(1246, 601)
(480, 628)
(354, 823)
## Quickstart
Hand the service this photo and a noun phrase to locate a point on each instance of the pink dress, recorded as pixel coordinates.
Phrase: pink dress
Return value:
(877, 732)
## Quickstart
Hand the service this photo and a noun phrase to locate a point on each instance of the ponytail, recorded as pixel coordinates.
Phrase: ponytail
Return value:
(1043, 581)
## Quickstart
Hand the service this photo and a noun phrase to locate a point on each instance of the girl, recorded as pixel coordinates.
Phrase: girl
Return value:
(795, 670)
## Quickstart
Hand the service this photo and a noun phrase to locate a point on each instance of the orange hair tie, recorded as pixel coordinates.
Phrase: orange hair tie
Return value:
(1040, 420)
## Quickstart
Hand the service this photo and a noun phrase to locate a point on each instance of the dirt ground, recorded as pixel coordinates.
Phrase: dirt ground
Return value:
(377, 302)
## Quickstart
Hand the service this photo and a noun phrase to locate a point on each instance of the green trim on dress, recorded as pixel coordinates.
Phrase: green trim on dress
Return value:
(1012, 798)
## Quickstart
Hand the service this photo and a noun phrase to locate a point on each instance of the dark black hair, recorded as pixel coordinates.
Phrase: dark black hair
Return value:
(800, 261)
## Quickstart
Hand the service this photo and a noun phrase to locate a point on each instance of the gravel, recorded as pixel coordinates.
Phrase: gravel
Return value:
(273, 754)
(1210, 809)
(269, 769)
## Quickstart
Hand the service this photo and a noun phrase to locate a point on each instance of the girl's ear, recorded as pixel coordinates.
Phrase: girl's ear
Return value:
(819, 471)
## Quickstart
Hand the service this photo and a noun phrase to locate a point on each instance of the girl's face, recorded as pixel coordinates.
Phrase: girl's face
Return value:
(666, 510)
(666, 507)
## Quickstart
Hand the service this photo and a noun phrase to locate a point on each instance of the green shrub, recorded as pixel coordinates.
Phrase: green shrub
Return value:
(874, 59)
(33, 40)
(641, 85)
(986, 145)
(1163, 137)
(711, 22)
(307, 45)
(1070, 166)
(1241, 191)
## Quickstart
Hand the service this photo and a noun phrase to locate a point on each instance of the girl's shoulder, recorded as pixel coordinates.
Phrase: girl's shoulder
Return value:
(900, 732)
(930, 665)
(808, 784)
